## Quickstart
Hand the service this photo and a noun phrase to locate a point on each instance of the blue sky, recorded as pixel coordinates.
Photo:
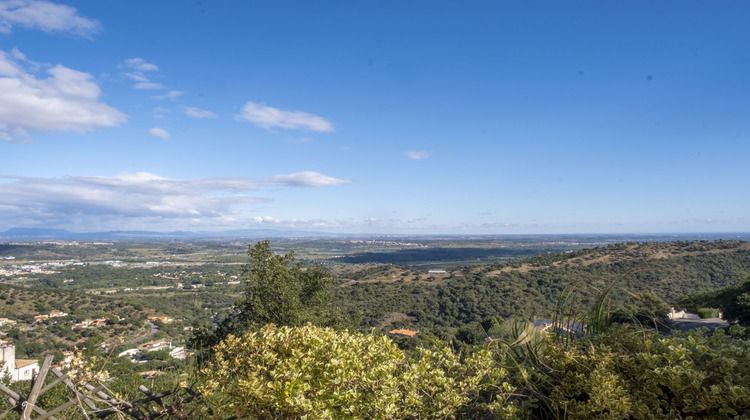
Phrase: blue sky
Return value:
(480, 117)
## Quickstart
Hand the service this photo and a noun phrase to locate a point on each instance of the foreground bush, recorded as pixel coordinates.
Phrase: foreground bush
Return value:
(313, 372)
(632, 374)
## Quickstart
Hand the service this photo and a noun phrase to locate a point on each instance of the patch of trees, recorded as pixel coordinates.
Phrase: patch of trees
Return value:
(484, 292)
(733, 302)
(278, 290)
(93, 276)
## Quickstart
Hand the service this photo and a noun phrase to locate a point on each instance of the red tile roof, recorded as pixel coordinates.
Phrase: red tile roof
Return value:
(403, 333)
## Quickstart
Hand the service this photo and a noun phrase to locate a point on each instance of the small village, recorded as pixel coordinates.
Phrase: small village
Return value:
(148, 352)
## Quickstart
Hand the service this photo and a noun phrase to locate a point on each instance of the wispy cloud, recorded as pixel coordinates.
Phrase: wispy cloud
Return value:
(306, 179)
(148, 85)
(138, 77)
(159, 112)
(137, 70)
(416, 155)
(65, 100)
(140, 64)
(45, 16)
(159, 132)
(127, 198)
(198, 113)
(269, 117)
(172, 95)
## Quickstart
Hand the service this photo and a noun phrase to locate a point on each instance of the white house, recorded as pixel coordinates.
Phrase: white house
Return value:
(680, 313)
(130, 353)
(156, 345)
(179, 353)
(17, 369)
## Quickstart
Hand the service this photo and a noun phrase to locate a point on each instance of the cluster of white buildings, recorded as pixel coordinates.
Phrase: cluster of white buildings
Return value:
(162, 319)
(89, 323)
(6, 321)
(174, 352)
(53, 314)
(44, 268)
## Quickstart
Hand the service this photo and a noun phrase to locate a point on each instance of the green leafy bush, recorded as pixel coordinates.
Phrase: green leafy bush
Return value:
(708, 312)
(314, 372)
(627, 373)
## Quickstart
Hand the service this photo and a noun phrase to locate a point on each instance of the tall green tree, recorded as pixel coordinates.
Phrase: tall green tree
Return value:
(281, 291)
(278, 290)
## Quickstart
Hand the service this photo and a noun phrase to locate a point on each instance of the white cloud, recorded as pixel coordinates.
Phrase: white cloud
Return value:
(138, 77)
(306, 179)
(198, 113)
(268, 117)
(159, 132)
(148, 85)
(138, 68)
(66, 100)
(159, 112)
(172, 95)
(140, 64)
(133, 199)
(416, 155)
(45, 16)
(266, 220)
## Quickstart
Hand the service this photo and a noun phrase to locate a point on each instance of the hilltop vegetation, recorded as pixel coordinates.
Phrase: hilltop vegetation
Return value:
(314, 363)
(532, 286)
(387, 296)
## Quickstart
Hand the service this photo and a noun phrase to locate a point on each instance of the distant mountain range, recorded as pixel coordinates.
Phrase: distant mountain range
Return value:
(48, 234)
(41, 234)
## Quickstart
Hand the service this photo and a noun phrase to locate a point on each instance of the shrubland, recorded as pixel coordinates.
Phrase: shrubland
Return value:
(292, 347)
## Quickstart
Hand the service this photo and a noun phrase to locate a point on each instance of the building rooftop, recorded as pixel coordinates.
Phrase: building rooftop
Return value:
(403, 333)
(21, 363)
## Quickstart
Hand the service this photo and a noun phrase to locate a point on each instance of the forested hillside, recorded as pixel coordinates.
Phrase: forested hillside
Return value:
(533, 285)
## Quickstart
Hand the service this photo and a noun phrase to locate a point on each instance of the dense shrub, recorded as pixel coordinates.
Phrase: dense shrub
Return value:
(632, 374)
(708, 312)
(314, 372)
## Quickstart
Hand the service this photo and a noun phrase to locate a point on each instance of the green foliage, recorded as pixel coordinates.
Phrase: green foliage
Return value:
(157, 355)
(628, 374)
(281, 291)
(314, 372)
(644, 308)
(653, 272)
(708, 312)
(734, 302)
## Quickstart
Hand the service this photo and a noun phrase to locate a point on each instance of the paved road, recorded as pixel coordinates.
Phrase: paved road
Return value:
(691, 324)
(147, 335)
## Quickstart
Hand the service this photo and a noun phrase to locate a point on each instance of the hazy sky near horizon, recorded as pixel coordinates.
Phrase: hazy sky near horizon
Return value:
(376, 116)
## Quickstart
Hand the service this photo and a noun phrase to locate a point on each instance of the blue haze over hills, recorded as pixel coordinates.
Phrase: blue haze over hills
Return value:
(42, 234)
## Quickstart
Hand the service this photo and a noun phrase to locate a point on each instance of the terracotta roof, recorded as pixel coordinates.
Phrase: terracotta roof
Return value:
(21, 363)
(403, 333)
